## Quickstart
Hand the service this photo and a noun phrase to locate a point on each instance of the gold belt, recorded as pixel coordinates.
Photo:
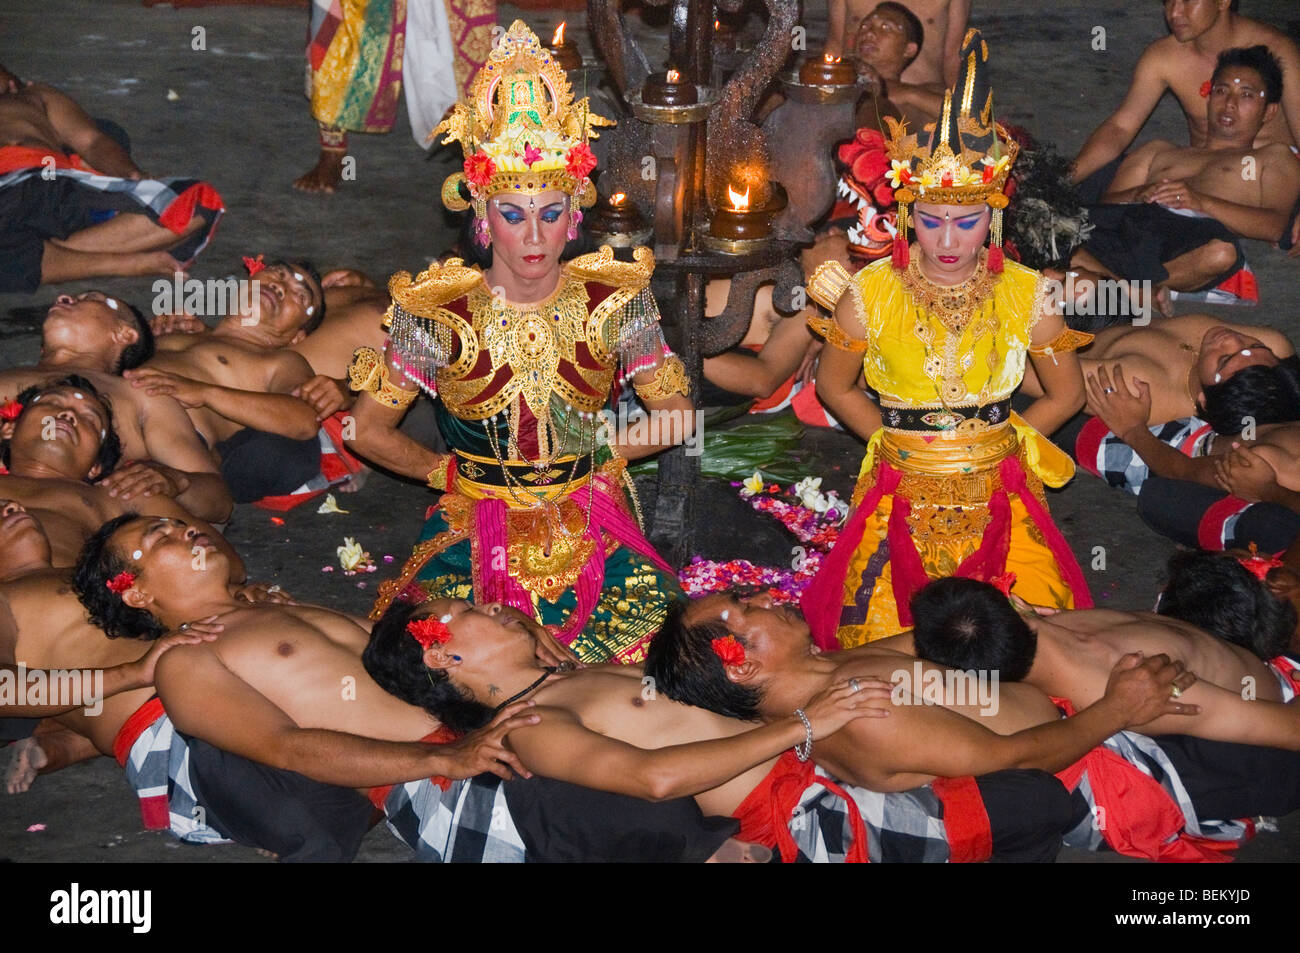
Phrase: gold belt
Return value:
(949, 470)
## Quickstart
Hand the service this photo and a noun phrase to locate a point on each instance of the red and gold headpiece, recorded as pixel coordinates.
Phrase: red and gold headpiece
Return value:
(521, 131)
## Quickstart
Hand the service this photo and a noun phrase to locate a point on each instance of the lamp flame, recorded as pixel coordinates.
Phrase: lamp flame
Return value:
(739, 201)
(617, 199)
(674, 76)
(558, 39)
(830, 60)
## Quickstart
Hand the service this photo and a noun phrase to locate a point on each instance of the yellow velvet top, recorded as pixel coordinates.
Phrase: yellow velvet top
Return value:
(925, 347)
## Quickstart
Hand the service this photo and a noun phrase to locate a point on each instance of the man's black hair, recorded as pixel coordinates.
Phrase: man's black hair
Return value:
(304, 265)
(1266, 395)
(133, 355)
(1214, 592)
(395, 660)
(1258, 58)
(110, 448)
(913, 30)
(971, 626)
(96, 565)
(684, 667)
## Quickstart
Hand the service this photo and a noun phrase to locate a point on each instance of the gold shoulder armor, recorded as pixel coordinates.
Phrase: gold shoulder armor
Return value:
(603, 267)
(828, 284)
(435, 286)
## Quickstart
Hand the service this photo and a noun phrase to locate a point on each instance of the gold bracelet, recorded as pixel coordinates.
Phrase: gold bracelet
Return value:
(440, 477)
(669, 379)
(368, 374)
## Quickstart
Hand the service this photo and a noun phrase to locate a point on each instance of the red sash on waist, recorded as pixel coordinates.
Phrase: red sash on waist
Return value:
(441, 736)
(1140, 817)
(14, 157)
(134, 727)
(765, 813)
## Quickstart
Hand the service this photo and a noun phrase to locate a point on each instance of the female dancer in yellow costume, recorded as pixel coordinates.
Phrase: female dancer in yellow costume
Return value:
(952, 482)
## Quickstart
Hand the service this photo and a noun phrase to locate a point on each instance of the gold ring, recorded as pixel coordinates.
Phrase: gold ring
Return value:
(1175, 691)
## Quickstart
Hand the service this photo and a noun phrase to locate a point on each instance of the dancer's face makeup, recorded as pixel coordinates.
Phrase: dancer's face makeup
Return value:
(529, 231)
(950, 237)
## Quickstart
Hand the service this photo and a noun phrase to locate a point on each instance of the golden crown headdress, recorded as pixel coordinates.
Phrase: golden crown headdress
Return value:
(521, 131)
(969, 154)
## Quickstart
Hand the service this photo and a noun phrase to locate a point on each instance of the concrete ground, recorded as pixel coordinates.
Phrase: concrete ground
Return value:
(238, 119)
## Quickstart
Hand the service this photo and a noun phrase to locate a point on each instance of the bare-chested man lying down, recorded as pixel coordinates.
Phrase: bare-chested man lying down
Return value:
(781, 667)
(1198, 365)
(1242, 698)
(1172, 215)
(237, 382)
(44, 627)
(98, 337)
(284, 686)
(63, 176)
(603, 729)
(61, 442)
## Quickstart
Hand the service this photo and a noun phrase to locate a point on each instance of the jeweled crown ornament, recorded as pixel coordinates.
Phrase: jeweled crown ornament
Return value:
(521, 131)
(968, 157)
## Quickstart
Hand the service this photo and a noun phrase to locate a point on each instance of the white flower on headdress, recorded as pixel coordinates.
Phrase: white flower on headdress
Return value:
(900, 172)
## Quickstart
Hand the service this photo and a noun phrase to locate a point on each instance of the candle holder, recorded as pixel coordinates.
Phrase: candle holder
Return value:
(737, 228)
(828, 70)
(667, 98)
(616, 222)
(565, 53)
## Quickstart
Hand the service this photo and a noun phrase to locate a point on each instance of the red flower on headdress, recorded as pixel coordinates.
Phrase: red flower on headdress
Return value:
(429, 630)
(579, 161)
(729, 650)
(479, 169)
(946, 181)
(1205, 89)
(531, 155)
(988, 173)
(11, 411)
(254, 265)
(1004, 582)
(121, 582)
(1257, 565)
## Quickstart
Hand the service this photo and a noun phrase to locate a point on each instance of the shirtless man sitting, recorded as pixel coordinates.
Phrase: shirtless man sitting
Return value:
(283, 686)
(1195, 364)
(943, 24)
(888, 40)
(1227, 187)
(970, 625)
(237, 382)
(60, 443)
(98, 337)
(58, 219)
(1199, 30)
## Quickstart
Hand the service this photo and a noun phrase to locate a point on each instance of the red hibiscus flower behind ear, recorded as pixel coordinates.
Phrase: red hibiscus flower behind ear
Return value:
(428, 631)
(11, 411)
(1205, 89)
(729, 650)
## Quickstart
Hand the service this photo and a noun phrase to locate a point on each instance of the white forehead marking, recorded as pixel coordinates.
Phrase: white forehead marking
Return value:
(726, 614)
(137, 554)
(297, 277)
(111, 302)
(79, 395)
(102, 433)
(445, 619)
(1246, 353)
(1218, 378)
(311, 309)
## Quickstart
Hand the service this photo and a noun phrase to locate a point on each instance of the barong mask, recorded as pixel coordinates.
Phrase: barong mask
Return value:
(968, 157)
(521, 132)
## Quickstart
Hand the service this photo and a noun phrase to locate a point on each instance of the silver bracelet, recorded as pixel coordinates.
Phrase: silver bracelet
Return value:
(804, 751)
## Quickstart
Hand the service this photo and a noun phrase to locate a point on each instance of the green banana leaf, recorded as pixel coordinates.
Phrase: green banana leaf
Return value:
(767, 445)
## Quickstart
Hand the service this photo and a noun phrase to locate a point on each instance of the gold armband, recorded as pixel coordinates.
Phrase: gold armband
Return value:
(828, 284)
(834, 334)
(669, 379)
(368, 374)
(1067, 340)
(442, 475)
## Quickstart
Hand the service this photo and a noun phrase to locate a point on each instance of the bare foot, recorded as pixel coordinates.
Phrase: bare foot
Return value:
(355, 482)
(27, 760)
(735, 851)
(325, 176)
